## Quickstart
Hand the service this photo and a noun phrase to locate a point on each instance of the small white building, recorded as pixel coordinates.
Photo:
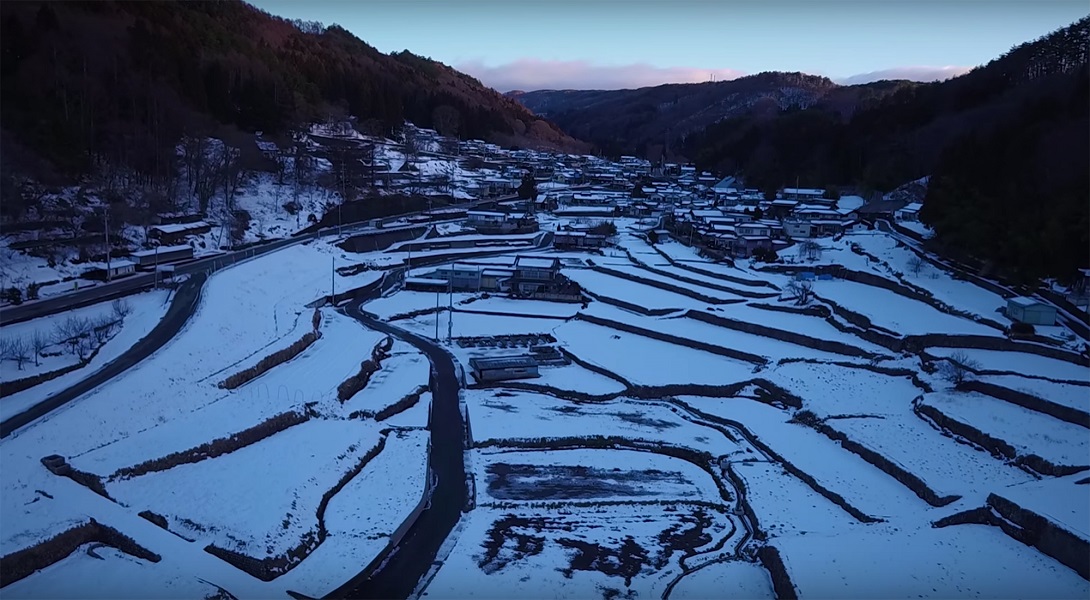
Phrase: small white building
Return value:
(120, 268)
(1028, 310)
(910, 212)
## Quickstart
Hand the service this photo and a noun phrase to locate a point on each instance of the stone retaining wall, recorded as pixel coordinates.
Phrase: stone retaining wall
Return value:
(698, 282)
(781, 579)
(662, 285)
(999, 448)
(887, 466)
(636, 308)
(727, 352)
(983, 342)
(778, 334)
(1059, 411)
(1046, 536)
(21, 563)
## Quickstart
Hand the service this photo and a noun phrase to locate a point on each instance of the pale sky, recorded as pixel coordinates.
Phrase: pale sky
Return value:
(606, 44)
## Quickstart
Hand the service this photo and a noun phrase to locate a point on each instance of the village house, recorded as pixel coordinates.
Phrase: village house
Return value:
(173, 233)
(910, 212)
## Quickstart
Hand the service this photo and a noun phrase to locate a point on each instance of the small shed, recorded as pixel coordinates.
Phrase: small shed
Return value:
(503, 368)
(1028, 310)
(120, 268)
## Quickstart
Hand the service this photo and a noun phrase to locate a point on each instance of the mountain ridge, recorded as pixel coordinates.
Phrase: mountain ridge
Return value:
(81, 81)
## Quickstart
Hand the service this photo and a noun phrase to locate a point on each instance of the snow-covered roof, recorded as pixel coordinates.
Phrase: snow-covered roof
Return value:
(913, 207)
(1025, 301)
(162, 250)
(804, 191)
(179, 227)
(535, 262)
(117, 264)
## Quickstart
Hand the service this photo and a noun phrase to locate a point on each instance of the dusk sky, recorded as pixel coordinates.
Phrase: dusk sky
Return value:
(610, 44)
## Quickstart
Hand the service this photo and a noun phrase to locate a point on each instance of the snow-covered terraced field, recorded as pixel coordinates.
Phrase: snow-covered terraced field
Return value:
(580, 485)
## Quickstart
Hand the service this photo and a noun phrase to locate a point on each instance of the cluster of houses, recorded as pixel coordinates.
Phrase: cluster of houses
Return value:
(536, 277)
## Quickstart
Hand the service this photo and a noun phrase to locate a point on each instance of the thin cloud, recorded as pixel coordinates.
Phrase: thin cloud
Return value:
(923, 74)
(529, 74)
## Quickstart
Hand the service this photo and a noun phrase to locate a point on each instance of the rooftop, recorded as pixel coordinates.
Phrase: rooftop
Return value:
(502, 362)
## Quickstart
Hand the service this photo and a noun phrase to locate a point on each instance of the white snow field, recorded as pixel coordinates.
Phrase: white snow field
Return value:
(147, 309)
(646, 466)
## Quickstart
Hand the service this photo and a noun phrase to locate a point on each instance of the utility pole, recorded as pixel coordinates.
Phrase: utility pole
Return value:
(437, 311)
(156, 265)
(450, 310)
(332, 278)
(106, 220)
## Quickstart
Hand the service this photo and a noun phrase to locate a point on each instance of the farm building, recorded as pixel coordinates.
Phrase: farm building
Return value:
(162, 255)
(503, 368)
(120, 268)
(177, 232)
(1028, 310)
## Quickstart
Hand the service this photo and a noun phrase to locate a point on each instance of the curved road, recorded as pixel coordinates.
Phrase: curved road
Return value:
(181, 308)
(396, 572)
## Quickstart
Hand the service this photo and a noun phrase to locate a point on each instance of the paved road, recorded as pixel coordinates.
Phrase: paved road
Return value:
(395, 573)
(181, 308)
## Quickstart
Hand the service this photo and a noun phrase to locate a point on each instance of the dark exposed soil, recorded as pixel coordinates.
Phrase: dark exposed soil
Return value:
(513, 538)
(638, 418)
(625, 561)
(538, 482)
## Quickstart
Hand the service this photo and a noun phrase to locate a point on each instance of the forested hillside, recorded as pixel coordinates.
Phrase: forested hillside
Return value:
(1007, 146)
(649, 122)
(89, 83)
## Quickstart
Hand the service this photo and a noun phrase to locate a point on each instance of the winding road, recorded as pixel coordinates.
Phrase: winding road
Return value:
(181, 308)
(396, 572)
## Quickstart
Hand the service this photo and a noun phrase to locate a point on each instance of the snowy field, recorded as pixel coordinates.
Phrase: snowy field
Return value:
(147, 309)
(953, 562)
(1030, 432)
(640, 498)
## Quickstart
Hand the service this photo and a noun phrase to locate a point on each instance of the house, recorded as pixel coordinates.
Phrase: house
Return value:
(172, 233)
(578, 239)
(535, 274)
(503, 368)
(481, 217)
(1028, 310)
(459, 277)
(161, 255)
(496, 279)
(910, 212)
(798, 228)
(779, 209)
(753, 230)
(745, 245)
(120, 268)
(801, 193)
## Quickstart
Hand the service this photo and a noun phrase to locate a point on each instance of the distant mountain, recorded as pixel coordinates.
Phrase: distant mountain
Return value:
(642, 121)
(86, 82)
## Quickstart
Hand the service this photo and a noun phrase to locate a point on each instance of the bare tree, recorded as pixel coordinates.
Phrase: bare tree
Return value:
(38, 343)
(916, 264)
(72, 331)
(958, 368)
(19, 351)
(101, 328)
(801, 291)
(5, 349)
(810, 250)
(411, 146)
(121, 308)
